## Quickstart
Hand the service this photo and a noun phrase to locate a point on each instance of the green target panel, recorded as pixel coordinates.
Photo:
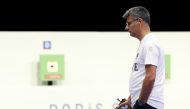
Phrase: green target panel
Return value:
(51, 67)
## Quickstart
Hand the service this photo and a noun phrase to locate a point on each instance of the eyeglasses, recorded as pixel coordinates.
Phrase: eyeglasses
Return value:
(129, 23)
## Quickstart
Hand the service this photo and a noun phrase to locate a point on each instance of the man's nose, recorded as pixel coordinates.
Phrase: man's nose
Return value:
(126, 28)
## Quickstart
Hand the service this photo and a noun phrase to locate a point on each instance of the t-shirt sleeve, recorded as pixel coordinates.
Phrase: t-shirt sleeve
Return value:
(151, 54)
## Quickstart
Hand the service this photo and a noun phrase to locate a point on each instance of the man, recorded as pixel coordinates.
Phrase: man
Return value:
(148, 74)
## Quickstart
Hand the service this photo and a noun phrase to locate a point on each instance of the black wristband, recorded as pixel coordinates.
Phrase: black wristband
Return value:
(140, 102)
(139, 105)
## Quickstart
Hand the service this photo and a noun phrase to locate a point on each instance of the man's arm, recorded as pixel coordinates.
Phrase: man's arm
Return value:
(148, 82)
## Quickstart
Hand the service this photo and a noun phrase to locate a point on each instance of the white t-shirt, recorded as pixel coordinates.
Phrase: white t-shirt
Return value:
(149, 52)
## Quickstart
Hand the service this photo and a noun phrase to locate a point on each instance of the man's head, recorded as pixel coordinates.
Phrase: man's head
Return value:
(138, 12)
(137, 20)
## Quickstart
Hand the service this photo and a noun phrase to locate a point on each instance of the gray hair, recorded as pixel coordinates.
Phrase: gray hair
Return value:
(138, 12)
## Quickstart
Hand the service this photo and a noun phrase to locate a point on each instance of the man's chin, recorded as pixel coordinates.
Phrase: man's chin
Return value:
(132, 35)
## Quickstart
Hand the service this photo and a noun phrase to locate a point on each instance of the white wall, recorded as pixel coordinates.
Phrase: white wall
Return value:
(97, 69)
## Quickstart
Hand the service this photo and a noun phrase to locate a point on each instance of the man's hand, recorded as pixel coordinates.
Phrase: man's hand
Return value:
(122, 103)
